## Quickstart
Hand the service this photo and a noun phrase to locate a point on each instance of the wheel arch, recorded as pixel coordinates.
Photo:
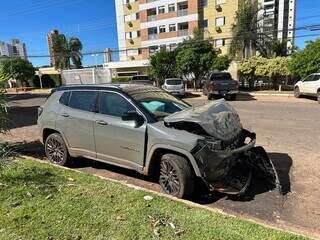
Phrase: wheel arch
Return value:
(156, 152)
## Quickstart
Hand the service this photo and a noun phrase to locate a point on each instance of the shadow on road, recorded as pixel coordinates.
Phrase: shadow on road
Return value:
(22, 116)
(282, 163)
(25, 96)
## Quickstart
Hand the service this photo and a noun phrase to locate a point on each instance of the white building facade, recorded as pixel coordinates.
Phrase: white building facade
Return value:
(13, 49)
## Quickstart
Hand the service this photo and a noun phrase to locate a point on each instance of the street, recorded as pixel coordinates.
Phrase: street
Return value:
(288, 128)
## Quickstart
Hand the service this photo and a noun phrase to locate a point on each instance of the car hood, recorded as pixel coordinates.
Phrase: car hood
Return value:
(217, 119)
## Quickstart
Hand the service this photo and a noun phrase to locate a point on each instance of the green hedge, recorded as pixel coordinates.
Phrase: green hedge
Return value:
(48, 81)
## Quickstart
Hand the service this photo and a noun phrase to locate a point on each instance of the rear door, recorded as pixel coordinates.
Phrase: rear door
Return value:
(75, 121)
(305, 87)
(118, 141)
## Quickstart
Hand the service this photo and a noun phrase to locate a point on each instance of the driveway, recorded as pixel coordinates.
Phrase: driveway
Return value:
(287, 127)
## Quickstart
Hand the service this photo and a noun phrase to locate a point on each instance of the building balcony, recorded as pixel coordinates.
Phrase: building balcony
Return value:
(183, 32)
(152, 18)
(153, 36)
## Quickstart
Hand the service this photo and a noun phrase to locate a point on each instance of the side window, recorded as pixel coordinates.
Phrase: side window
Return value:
(64, 99)
(309, 78)
(113, 104)
(83, 100)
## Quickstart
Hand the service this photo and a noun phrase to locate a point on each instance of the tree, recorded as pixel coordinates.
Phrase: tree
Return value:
(274, 68)
(245, 38)
(163, 65)
(221, 63)
(18, 69)
(248, 68)
(306, 61)
(4, 121)
(276, 48)
(66, 50)
(195, 57)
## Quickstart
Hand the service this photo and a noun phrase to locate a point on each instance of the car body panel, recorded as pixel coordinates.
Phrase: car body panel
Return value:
(222, 86)
(175, 89)
(310, 85)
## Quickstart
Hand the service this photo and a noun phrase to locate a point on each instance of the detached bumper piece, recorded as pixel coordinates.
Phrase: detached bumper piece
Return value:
(230, 169)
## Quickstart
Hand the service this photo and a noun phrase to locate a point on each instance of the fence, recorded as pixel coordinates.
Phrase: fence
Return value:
(86, 76)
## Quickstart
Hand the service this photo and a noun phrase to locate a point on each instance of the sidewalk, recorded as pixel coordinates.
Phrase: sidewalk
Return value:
(253, 93)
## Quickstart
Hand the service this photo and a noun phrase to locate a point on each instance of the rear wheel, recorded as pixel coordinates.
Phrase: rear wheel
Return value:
(176, 177)
(297, 92)
(56, 149)
(319, 97)
(209, 96)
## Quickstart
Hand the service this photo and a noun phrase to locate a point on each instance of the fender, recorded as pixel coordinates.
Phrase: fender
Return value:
(175, 149)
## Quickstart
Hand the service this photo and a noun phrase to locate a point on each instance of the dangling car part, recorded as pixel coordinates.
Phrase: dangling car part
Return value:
(226, 155)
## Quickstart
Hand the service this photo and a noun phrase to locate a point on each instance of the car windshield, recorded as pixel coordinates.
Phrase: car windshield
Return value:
(220, 76)
(139, 78)
(174, 82)
(159, 103)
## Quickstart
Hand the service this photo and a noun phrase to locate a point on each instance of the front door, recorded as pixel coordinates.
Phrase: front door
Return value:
(118, 141)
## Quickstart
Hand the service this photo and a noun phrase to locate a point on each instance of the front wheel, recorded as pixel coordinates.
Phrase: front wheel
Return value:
(297, 92)
(56, 150)
(176, 177)
(319, 97)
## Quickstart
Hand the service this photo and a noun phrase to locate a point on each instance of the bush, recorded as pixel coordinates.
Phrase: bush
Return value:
(121, 79)
(48, 81)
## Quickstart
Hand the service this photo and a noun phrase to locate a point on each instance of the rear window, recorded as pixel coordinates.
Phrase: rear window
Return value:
(83, 100)
(174, 82)
(220, 76)
(137, 78)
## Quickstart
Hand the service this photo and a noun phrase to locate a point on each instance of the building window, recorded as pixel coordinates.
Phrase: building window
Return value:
(204, 23)
(163, 47)
(220, 21)
(172, 28)
(162, 29)
(219, 42)
(203, 3)
(161, 9)
(138, 33)
(137, 16)
(128, 35)
(171, 7)
(172, 46)
(153, 49)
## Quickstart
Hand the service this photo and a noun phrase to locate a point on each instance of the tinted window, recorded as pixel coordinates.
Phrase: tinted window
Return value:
(83, 100)
(174, 82)
(113, 104)
(309, 78)
(220, 76)
(64, 99)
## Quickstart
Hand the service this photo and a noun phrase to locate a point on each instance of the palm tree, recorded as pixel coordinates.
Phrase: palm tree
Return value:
(276, 48)
(245, 37)
(66, 50)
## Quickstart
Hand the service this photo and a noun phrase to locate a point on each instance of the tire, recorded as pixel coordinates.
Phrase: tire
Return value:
(297, 92)
(56, 150)
(209, 96)
(176, 177)
(319, 97)
(233, 97)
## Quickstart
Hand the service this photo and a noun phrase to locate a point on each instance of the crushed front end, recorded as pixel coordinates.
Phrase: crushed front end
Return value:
(229, 167)
(226, 153)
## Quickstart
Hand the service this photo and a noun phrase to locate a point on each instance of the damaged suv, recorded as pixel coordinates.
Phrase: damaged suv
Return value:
(146, 129)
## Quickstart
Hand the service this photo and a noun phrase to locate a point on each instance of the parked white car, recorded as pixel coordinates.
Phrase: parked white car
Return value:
(309, 86)
(175, 86)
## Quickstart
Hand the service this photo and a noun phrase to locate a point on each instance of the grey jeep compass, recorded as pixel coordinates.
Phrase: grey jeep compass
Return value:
(146, 129)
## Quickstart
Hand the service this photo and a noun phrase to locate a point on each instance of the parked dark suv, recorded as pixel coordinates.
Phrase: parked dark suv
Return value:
(220, 84)
(146, 129)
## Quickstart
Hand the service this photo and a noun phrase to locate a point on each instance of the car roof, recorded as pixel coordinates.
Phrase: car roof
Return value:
(127, 88)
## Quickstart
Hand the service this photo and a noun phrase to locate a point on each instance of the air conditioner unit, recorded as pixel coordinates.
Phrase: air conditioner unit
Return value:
(218, 7)
(218, 29)
(131, 41)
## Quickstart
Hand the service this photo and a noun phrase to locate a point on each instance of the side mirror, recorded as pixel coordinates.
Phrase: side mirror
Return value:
(133, 116)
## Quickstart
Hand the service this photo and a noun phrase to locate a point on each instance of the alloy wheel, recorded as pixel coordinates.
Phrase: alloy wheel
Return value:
(169, 179)
(55, 151)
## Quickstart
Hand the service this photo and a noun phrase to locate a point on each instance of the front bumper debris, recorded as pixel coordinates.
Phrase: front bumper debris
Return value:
(230, 169)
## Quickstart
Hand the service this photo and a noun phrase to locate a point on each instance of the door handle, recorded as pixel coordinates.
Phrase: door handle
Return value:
(64, 114)
(101, 122)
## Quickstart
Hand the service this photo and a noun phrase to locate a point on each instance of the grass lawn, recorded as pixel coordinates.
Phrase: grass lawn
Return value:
(40, 201)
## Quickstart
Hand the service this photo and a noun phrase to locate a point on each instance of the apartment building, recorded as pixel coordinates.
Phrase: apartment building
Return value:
(13, 49)
(277, 19)
(146, 26)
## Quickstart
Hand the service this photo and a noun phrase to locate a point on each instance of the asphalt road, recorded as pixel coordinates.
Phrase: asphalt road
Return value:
(289, 130)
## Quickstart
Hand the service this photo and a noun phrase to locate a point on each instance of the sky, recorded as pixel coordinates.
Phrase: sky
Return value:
(94, 22)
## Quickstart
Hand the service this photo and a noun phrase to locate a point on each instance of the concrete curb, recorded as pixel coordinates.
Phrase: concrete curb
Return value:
(267, 94)
(284, 228)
